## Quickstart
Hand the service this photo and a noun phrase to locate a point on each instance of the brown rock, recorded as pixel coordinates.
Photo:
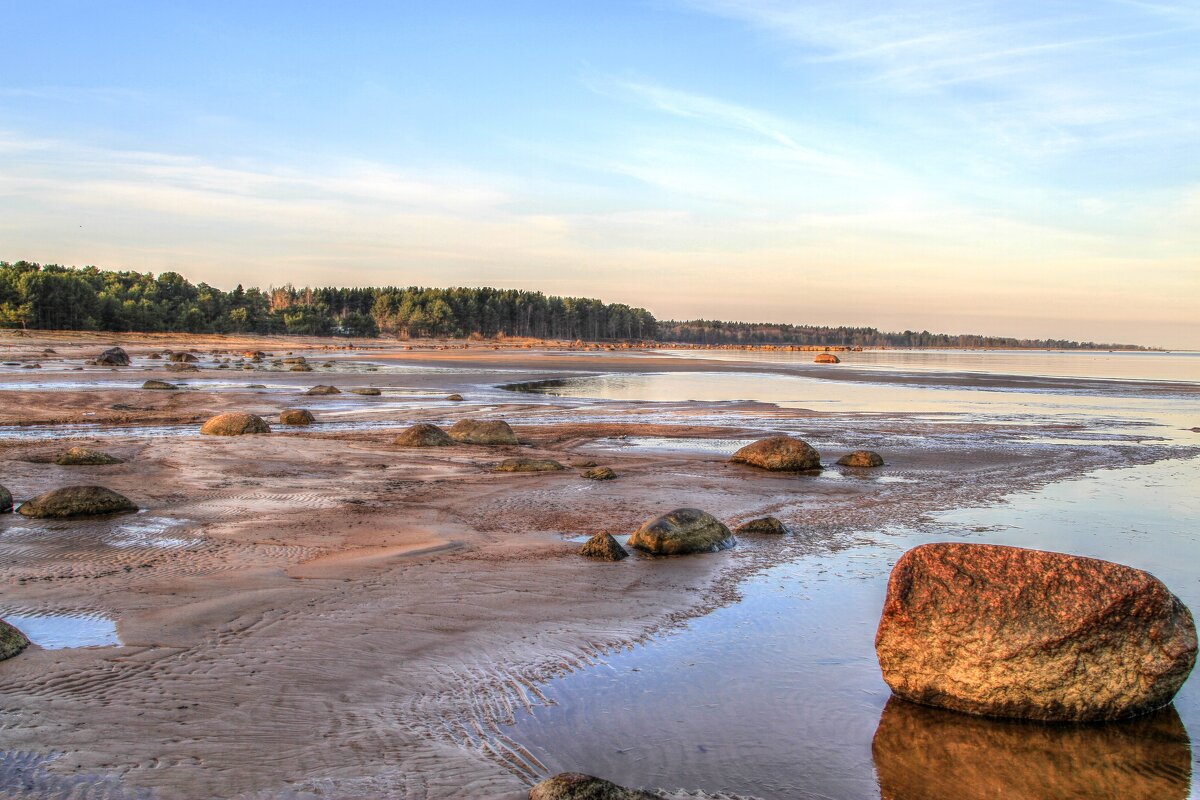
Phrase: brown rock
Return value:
(455, 397)
(113, 357)
(367, 391)
(527, 465)
(6, 503)
(183, 358)
(161, 386)
(12, 641)
(423, 435)
(302, 368)
(827, 358)
(482, 431)
(576, 786)
(180, 367)
(235, 424)
(599, 474)
(779, 454)
(323, 389)
(861, 458)
(296, 416)
(923, 752)
(603, 546)
(763, 525)
(77, 501)
(1009, 632)
(682, 531)
(83, 457)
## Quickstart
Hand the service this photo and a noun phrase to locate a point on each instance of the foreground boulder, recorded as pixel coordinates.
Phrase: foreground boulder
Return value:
(861, 458)
(296, 416)
(482, 431)
(576, 786)
(113, 357)
(160, 386)
(682, 531)
(1009, 632)
(827, 358)
(83, 457)
(599, 474)
(779, 454)
(5, 500)
(423, 434)
(763, 525)
(235, 424)
(12, 641)
(77, 501)
(323, 389)
(604, 547)
(528, 465)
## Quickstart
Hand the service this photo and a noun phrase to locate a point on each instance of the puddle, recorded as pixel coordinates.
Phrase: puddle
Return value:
(59, 631)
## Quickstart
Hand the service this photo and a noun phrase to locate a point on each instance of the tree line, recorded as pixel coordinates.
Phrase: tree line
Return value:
(52, 297)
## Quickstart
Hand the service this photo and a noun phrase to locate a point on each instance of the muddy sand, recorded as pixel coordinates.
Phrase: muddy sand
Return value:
(316, 612)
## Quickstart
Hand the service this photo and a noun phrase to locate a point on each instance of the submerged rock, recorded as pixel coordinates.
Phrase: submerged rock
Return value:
(113, 357)
(1009, 632)
(861, 458)
(682, 531)
(455, 397)
(827, 358)
(12, 641)
(482, 431)
(763, 525)
(779, 454)
(599, 474)
(83, 457)
(77, 501)
(161, 386)
(6, 503)
(235, 424)
(367, 391)
(296, 416)
(324, 389)
(423, 434)
(576, 786)
(604, 547)
(528, 465)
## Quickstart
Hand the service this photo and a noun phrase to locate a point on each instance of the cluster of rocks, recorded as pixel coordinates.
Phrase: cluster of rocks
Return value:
(788, 454)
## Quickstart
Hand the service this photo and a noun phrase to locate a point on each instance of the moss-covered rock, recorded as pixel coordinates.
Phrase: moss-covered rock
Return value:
(159, 386)
(12, 641)
(423, 434)
(482, 431)
(576, 786)
(604, 547)
(77, 501)
(682, 531)
(83, 457)
(235, 424)
(599, 474)
(763, 525)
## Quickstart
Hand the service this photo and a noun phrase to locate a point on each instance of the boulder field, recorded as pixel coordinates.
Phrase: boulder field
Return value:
(682, 531)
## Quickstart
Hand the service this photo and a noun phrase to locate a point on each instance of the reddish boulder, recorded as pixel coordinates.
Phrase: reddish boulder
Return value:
(779, 454)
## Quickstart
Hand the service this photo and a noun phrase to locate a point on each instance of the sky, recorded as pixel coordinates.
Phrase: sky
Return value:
(1010, 168)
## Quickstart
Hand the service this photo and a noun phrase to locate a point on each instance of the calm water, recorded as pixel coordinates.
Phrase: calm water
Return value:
(779, 696)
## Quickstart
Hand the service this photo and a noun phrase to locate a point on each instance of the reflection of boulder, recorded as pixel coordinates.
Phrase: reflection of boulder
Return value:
(930, 753)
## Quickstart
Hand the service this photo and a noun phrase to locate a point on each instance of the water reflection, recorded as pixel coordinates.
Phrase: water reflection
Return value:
(930, 753)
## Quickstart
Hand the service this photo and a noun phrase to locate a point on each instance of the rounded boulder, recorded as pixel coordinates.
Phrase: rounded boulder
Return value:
(861, 458)
(779, 454)
(423, 434)
(576, 786)
(12, 641)
(296, 416)
(77, 501)
(235, 424)
(682, 531)
(482, 431)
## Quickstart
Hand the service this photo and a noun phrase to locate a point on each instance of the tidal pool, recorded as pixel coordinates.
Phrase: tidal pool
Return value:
(58, 631)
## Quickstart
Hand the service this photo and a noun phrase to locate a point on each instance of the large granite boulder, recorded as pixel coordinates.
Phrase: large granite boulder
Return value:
(604, 547)
(528, 465)
(682, 531)
(862, 459)
(576, 786)
(1009, 632)
(763, 525)
(779, 454)
(482, 431)
(296, 416)
(113, 357)
(12, 641)
(6, 502)
(84, 457)
(77, 501)
(235, 423)
(423, 434)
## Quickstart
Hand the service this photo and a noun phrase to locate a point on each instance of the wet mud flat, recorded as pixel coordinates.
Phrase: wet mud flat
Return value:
(321, 613)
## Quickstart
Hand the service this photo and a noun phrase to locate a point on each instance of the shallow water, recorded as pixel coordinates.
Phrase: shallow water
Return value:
(58, 631)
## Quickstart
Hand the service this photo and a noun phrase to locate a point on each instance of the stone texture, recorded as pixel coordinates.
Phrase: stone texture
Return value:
(161, 386)
(77, 501)
(1009, 632)
(779, 454)
(423, 434)
(861, 458)
(763, 525)
(576, 786)
(528, 465)
(482, 431)
(599, 474)
(604, 547)
(296, 416)
(6, 501)
(682, 531)
(235, 424)
(323, 389)
(367, 391)
(83, 457)
(12, 641)
(113, 357)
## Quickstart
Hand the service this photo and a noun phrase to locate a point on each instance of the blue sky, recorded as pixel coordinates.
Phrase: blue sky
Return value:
(1009, 167)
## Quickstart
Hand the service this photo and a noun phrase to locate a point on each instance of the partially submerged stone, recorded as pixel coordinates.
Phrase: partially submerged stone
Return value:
(576, 786)
(296, 416)
(682, 531)
(159, 386)
(367, 391)
(604, 547)
(77, 501)
(599, 474)
(1009, 632)
(84, 457)
(763, 525)
(180, 367)
(324, 389)
(423, 434)
(779, 454)
(482, 431)
(528, 465)
(235, 423)
(183, 357)
(113, 357)
(300, 368)
(861, 458)
(6, 501)
(455, 397)
(827, 358)
(12, 641)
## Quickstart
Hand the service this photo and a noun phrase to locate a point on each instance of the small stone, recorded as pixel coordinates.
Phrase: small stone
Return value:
(604, 547)
(6, 500)
(861, 458)
(455, 397)
(296, 416)
(763, 525)
(527, 465)
(599, 474)
(160, 386)
(324, 389)
(83, 457)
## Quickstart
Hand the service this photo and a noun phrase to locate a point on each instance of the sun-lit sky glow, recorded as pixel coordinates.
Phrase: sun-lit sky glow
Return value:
(1023, 168)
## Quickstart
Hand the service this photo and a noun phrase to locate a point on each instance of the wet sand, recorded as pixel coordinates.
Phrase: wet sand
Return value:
(319, 611)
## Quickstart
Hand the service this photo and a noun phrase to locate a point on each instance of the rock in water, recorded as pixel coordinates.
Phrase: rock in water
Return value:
(367, 391)
(1009, 632)
(12, 641)
(161, 386)
(684, 530)
(77, 501)
(599, 474)
(861, 458)
(183, 358)
(113, 357)
(83, 457)
(5, 500)
(179, 366)
(768, 525)
(923, 752)
(780, 454)
(604, 547)
(827, 358)
(235, 424)
(423, 434)
(322, 389)
(454, 397)
(576, 786)
(482, 431)
(527, 465)
(296, 416)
